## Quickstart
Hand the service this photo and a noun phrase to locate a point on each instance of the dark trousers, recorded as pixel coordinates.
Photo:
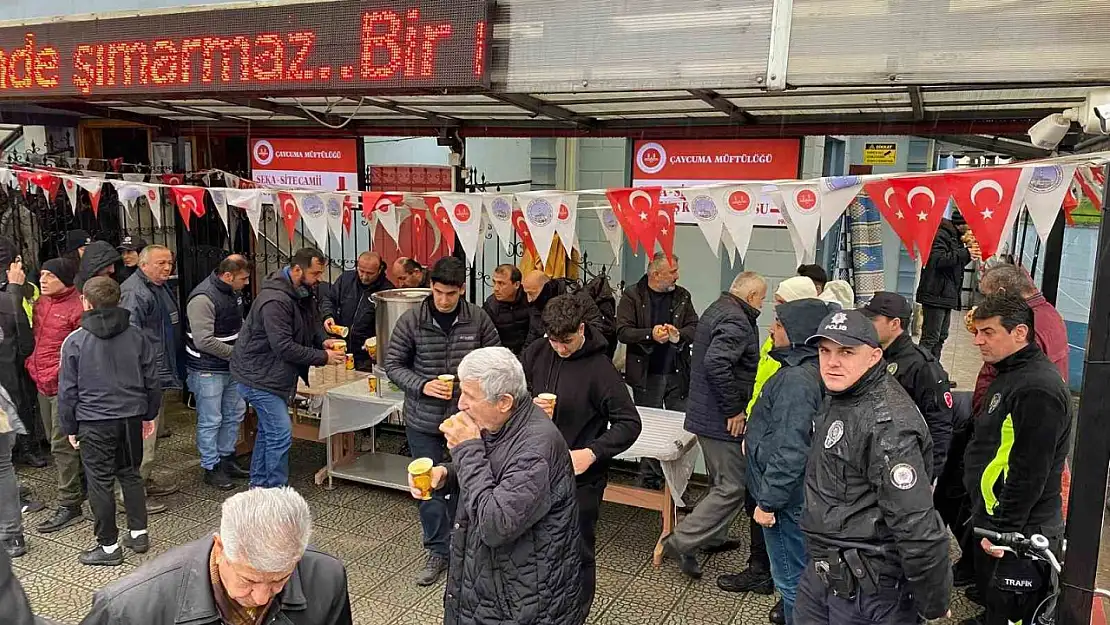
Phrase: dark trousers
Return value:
(817, 605)
(658, 391)
(934, 329)
(113, 450)
(438, 513)
(71, 479)
(952, 501)
(757, 557)
(1006, 606)
(589, 495)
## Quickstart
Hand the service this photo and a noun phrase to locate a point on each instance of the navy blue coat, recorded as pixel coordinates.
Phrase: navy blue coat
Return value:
(722, 373)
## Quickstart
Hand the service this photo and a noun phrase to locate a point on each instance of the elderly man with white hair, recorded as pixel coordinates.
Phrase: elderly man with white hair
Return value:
(515, 549)
(257, 569)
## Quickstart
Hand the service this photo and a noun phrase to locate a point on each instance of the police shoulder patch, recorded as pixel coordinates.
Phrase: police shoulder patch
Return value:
(835, 433)
(903, 476)
(995, 400)
(892, 368)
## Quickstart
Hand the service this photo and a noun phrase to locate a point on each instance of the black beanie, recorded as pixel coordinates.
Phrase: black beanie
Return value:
(62, 268)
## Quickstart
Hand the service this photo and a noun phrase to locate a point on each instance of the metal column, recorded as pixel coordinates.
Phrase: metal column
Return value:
(1053, 256)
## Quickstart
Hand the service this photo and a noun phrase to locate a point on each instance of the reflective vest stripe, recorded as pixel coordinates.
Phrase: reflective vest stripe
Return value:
(999, 466)
(222, 339)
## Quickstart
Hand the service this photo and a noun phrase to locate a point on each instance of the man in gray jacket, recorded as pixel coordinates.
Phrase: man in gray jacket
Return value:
(428, 342)
(154, 310)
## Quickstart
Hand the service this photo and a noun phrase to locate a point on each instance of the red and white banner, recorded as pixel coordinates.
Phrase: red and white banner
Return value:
(338, 206)
(924, 198)
(383, 206)
(443, 223)
(636, 209)
(499, 208)
(1045, 194)
(676, 163)
(465, 212)
(520, 224)
(986, 197)
(290, 210)
(882, 194)
(325, 164)
(190, 201)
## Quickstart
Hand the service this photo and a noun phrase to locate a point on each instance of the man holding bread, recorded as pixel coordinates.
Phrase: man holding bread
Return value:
(422, 358)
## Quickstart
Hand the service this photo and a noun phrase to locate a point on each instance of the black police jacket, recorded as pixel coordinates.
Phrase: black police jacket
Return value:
(1016, 455)
(918, 371)
(868, 481)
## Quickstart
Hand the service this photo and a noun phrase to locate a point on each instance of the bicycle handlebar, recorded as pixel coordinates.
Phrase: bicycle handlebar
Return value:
(1036, 546)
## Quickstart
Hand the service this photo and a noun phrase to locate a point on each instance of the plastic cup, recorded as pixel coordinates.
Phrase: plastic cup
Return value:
(339, 346)
(548, 397)
(449, 380)
(342, 331)
(421, 472)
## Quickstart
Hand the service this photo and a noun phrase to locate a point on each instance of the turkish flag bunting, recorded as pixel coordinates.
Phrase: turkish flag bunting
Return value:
(24, 178)
(443, 223)
(49, 184)
(289, 207)
(190, 201)
(117, 163)
(520, 224)
(1070, 204)
(172, 179)
(892, 210)
(348, 213)
(636, 210)
(663, 229)
(985, 198)
(92, 186)
(384, 207)
(1089, 181)
(925, 199)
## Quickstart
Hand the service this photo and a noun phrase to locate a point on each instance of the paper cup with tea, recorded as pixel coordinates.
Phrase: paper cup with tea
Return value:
(449, 380)
(548, 398)
(421, 472)
(339, 346)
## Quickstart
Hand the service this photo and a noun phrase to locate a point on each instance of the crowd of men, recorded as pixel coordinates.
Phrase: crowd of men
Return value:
(837, 437)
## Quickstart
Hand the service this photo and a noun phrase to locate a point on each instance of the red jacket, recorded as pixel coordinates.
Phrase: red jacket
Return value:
(54, 318)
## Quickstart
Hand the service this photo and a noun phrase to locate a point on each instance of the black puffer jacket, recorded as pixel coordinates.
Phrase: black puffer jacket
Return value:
(869, 479)
(420, 351)
(562, 286)
(726, 354)
(280, 339)
(918, 371)
(634, 329)
(350, 304)
(942, 276)
(99, 255)
(512, 319)
(515, 548)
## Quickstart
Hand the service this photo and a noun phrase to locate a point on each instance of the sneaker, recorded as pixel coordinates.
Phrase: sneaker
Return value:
(63, 518)
(98, 557)
(777, 615)
(434, 568)
(232, 468)
(728, 545)
(154, 489)
(153, 507)
(217, 479)
(138, 545)
(687, 563)
(15, 546)
(750, 579)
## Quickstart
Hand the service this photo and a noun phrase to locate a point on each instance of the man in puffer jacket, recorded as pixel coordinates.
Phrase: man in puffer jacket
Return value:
(99, 260)
(428, 342)
(515, 550)
(57, 314)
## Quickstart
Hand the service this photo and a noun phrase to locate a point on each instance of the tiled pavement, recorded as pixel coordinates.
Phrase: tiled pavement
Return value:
(377, 533)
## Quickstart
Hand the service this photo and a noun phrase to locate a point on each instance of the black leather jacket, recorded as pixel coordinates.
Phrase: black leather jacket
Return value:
(868, 481)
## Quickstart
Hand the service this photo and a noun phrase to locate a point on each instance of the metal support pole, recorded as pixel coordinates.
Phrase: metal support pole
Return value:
(1053, 256)
(1092, 446)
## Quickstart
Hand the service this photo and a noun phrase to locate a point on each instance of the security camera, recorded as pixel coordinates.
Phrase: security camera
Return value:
(1094, 115)
(1049, 132)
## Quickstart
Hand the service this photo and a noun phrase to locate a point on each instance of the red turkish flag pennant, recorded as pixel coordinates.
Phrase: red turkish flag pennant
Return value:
(290, 210)
(1088, 180)
(117, 163)
(172, 179)
(49, 183)
(925, 199)
(443, 222)
(636, 210)
(24, 179)
(521, 226)
(190, 201)
(348, 211)
(985, 198)
(891, 208)
(373, 201)
(664, 230)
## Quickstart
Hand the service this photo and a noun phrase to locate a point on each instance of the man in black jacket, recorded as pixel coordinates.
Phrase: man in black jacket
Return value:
(515, 551)
(429, 342)
(939, 290)
(109, 394)
(17, 342)
(280, 339)
(726, 354)
(213, 318)
(877, 546)
(916, 369)
(542, 288)
(99, 259)
(592, 408)
(508, 307)
(257, 568)
(1016, 456)
(350, 303)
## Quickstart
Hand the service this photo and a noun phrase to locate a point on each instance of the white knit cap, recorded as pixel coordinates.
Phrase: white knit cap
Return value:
(839, 291)
(798, 287)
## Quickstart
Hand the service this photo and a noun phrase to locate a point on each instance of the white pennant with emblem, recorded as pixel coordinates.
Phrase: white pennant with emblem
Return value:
(250, 200)
(801, 206)
(1044, 197)
(153, 195)
(566, 220)
(499, 209)
(314, 214)
(69, 183)
(611, 226)
(465, 212)
(837, 192)
(707, 213)
(334, 205)
(386, 212)
(540, 209)
(219, 199)
(730, 247)
(737, 204)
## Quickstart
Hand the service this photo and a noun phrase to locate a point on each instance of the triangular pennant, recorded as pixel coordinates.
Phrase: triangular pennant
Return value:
(154, 201)
(730, 247)
(384, 207)
(128, 192)
(890, 207)
(117, 163)
(348, 216)
(70, 185)
(663, 226)
(499, 208)
(566, 221)
(289, 209)
(1088, 179)
(231, 180)
(134, 177)
(442, 221)
(93, 187)
(465, 212)
(925, 199)
(539, 210)
(1044, 196)
(837, 192)
(172, 179)
(520, 224)
(250, 200)
(219, 200)
(49, 184)
(800, 205)
(738, 211)
(190, 201)
(315, 217)
(5, 177)
(335, 205)
(985, 197)
(611, 226)
(635, 209)
(83, 163)
(707, 214)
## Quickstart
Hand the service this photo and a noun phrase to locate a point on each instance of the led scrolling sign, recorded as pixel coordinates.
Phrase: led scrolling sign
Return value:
(339, 46)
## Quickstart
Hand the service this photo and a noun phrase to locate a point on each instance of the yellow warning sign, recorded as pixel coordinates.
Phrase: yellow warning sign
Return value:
(880, 153)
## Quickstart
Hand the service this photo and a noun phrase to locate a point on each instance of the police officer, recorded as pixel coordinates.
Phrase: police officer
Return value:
(1016, 457)
(878, 549)
(916, 369)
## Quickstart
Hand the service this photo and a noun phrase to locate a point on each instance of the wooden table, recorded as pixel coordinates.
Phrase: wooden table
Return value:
(650, 500)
